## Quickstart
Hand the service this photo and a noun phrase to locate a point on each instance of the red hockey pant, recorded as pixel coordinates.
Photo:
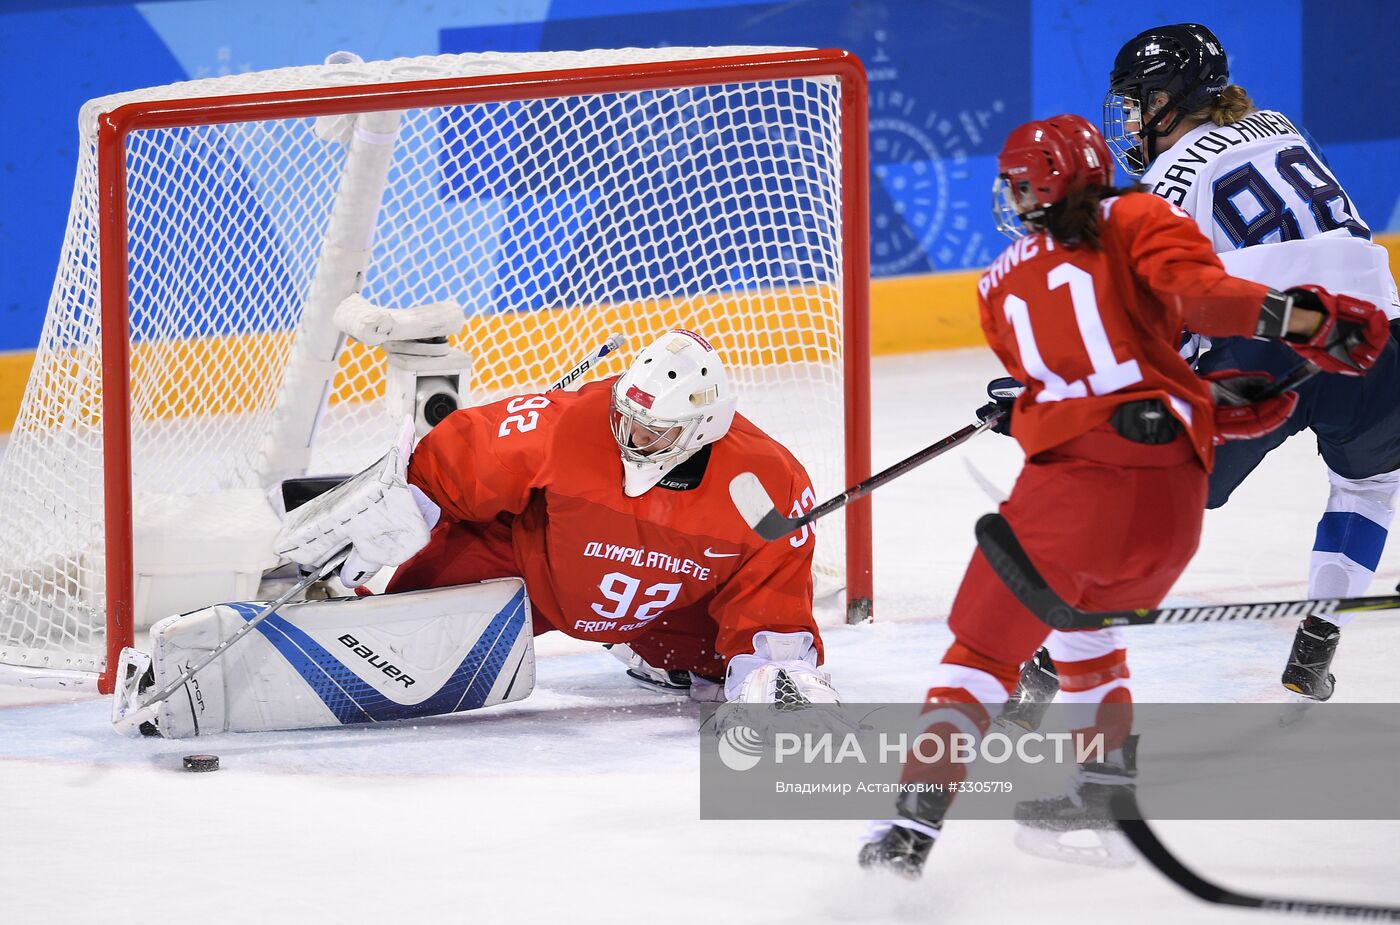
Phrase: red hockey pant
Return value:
(1110, 523)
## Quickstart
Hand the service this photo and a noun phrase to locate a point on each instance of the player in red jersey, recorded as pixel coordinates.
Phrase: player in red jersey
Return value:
(1086, 308)
(612, 503)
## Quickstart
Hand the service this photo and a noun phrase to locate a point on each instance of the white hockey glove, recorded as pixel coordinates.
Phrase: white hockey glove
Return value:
(780, 688)
(759, 678)
(377, 513)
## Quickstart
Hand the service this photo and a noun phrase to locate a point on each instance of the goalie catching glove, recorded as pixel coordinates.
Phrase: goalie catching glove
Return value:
(1239, 412)
(377, 513)
(779, 688)
(782, 670)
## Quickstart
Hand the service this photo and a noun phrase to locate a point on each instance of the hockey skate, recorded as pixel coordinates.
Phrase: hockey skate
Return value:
(899, 849)
(647, 675)
(1307, 673)
(136, 675)
(1034, 693)
(1086, 806)
(1078, 827)
(901, 846)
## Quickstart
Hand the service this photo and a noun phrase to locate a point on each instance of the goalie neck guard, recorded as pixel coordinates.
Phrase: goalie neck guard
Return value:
(674, 399)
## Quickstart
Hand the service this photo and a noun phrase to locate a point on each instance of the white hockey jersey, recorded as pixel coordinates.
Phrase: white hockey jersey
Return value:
(1272, 209)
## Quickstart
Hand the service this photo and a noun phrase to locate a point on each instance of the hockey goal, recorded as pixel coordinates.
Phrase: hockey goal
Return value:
(190, 358)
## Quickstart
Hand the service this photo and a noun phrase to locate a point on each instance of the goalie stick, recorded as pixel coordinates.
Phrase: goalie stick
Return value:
(1008, 559)
(126, 720)
(761, 514)
(1129, 818)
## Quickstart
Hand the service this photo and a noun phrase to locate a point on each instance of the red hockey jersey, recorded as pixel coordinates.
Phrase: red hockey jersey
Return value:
(1087, 330)
(600, 565)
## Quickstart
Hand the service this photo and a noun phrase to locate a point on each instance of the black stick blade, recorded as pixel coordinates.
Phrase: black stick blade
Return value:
(1006, 557)
(1129, 818)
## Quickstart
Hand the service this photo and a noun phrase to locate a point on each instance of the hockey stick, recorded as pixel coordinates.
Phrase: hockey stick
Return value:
(613, 342)
(761, 514)
(1008, 559)
(126, 721)
(759, 511)
(1300, 374)
(1296, 377)
(1137, 831)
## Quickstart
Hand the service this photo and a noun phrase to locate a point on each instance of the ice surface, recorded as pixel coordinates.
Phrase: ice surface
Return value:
(580, 804)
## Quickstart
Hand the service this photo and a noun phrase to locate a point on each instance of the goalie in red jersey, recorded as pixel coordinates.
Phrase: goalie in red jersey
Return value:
(602, 513)
(1086, 308)
(612, 503)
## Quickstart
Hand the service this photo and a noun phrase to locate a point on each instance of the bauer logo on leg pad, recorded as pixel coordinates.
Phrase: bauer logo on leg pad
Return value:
(366, 653)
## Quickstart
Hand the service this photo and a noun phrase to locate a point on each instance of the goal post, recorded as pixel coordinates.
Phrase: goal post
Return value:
(554, 195)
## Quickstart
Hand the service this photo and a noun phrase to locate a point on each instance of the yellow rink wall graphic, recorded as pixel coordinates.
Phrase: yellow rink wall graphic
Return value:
(752, 319)
(909, 314)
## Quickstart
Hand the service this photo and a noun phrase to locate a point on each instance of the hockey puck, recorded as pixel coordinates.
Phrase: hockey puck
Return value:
(201, 762)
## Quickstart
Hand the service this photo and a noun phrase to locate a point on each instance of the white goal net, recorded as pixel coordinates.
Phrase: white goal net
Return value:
(556, 197)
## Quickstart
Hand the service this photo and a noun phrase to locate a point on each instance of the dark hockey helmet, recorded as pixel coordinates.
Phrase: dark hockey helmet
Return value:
(1040, 162)
(1185, 62)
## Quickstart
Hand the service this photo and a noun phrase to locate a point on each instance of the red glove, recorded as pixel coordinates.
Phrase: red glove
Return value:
(1352, 334)
(1239, 412)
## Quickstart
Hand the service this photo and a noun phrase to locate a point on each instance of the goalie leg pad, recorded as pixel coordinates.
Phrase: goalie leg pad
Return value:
(348, 660)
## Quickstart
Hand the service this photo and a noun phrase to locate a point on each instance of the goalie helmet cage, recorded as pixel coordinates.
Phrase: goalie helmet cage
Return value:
(558, 197)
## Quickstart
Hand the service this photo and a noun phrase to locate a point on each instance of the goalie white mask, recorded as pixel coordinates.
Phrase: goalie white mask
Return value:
(674, 399)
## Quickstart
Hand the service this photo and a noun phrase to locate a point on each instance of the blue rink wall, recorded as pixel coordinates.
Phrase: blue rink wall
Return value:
(948, 78)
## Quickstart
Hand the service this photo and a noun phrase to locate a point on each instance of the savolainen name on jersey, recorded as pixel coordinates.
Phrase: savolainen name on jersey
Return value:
(1178, 178)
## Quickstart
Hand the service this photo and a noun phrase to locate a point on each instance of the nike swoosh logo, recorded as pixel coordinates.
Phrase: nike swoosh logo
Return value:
(719, 555)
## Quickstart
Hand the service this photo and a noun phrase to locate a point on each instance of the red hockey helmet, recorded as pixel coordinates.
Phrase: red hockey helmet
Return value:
(1040, 163)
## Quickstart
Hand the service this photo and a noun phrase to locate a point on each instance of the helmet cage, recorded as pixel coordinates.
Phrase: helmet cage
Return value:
(670, 437)
(1014, 207)
(1137, 149)
(1120, 111)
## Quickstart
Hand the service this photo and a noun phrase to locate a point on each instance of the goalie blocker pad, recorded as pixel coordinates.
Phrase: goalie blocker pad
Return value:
(347, 660)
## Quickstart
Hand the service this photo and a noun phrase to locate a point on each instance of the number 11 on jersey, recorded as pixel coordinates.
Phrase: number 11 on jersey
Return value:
(1109, 375)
